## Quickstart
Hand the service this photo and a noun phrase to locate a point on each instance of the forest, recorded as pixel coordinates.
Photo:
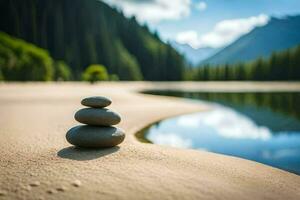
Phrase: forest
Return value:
(82, 33)
(281, 66)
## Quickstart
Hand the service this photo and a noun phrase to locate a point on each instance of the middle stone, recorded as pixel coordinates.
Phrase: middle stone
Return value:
(97, 117)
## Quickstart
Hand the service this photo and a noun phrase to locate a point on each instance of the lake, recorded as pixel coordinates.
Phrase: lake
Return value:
(264, 127)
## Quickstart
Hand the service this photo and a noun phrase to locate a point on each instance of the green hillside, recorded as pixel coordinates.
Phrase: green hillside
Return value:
(90, 32)
(22, 61)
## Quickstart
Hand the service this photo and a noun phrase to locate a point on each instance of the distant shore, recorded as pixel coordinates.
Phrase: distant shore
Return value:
(228, 86)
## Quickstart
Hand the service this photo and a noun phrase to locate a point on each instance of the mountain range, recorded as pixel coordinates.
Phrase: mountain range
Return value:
(279, 34)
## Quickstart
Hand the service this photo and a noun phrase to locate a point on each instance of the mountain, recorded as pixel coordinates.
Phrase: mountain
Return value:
(194, 56)
(278, 34)
(82, 33)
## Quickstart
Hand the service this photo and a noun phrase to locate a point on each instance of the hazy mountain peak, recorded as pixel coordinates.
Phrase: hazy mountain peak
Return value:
(192, 55)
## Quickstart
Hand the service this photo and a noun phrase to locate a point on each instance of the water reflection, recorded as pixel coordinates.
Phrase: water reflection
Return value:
(239, 125)
(230, 124)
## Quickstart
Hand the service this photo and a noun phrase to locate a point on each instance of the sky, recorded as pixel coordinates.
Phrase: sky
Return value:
(205, 23)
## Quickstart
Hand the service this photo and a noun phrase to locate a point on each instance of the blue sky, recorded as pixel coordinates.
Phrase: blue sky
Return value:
(202, 23)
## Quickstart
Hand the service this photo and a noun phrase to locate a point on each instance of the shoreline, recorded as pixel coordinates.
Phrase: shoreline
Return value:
(34, 149)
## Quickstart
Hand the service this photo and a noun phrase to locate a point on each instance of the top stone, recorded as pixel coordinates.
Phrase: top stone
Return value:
(96, 102)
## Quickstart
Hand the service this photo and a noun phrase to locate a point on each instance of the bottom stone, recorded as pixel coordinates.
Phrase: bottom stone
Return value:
(95, 136)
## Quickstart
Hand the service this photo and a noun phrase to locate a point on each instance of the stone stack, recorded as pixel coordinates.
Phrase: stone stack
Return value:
(98, 131)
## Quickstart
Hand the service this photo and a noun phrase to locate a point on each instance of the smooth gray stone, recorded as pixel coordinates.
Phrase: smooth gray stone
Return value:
(95, 136)
(97, 117)
(96, 102)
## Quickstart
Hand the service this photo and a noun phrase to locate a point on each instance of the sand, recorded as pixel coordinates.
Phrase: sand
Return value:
(36, 162)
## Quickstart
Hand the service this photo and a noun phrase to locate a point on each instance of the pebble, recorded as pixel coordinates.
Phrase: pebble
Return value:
(76, 183)
(61, 189)
(3, 193)
(51, 191)
(35, 184)
(96, 102)
(95, 136)
(97, 117)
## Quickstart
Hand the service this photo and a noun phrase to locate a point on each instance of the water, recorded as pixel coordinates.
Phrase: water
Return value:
(264, 127)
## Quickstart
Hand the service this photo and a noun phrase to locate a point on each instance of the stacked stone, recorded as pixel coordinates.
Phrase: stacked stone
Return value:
(98, 131)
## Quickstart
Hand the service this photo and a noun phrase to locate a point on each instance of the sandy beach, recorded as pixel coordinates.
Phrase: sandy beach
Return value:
(36, 162)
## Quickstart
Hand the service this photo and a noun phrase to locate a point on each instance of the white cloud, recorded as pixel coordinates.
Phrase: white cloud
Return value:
(153, 10)
(201, 6)
(223, 33)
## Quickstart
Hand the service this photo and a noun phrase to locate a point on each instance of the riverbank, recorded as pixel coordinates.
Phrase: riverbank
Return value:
(35, 118)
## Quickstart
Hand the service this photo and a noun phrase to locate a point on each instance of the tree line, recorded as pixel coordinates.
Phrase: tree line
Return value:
(282, 66)
(82, 33)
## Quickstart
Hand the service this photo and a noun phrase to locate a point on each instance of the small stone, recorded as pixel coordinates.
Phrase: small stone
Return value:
(51, 191)
(76, 183)
(96, 102)
(97, 117)
(35, 184)
(61, 189)
(3, 193)
(95, 136)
